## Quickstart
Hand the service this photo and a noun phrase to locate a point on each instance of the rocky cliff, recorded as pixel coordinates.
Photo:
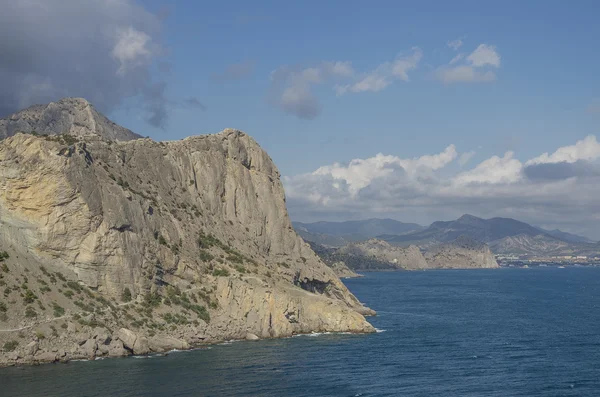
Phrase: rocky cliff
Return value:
(73, 116)
(111, 248)
(462, 253)
(409, 258)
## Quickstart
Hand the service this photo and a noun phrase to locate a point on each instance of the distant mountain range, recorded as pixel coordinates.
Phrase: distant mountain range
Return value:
(503, 235)
(338, 234)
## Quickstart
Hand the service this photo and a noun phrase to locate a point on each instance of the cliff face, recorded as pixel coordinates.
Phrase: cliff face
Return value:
(409, 258)
(186, 241)
(74, 116)
(462, 253)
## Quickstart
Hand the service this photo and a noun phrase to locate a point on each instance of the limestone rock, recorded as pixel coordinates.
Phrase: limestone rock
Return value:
(31, 349)
(116, 349)
(251, 336)
(204, 216)
(408, 258)
(166, 343)
(74, 116)
(462, 253)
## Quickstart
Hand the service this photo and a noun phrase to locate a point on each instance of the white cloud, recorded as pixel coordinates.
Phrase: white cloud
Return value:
(586, 149)
(455, 44)
(131, 49)
(560, 188)
(484, 55)
(475, 68)
(493, 171)
(456, 59)
(384, 74)
(465, 158)
(292, 88)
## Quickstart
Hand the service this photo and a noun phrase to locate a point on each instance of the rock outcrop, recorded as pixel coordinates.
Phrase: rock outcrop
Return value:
(343, 271)
(74, 116)
(409, 258)
(187, 242)
(462, 253)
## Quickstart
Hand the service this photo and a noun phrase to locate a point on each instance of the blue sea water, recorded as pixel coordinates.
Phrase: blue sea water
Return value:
(506, 332)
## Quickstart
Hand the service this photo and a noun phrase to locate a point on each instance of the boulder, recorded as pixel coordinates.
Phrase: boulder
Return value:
(166, 343)
(251, 336)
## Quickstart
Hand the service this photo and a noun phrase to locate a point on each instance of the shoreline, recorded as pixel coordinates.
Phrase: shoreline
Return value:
(166, 352)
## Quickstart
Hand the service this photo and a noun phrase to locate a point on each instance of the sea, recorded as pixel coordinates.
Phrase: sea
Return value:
(504, 332)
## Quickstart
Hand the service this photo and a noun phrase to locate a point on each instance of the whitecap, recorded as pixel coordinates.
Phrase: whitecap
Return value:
(379, 330)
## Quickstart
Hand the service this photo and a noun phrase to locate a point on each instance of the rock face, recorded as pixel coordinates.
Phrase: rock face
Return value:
(462, 253)
(409, 258)
(74, 116)
(187, 240)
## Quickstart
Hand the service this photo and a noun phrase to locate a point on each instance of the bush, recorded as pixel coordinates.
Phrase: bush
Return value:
(64, 326)
(74, 286)
(220, 272)
(60, 276)
(4, 255)
(58, 310)
(126, 295)
(206, 256)
(162, 241)
(11, 345)
(29, 312)
(68, 293)
(3, 307)
(40, 335)
(29, 297)
(152, 300)
(5, 268)
(240, 269)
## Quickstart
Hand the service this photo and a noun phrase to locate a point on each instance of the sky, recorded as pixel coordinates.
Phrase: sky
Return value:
(412, 110)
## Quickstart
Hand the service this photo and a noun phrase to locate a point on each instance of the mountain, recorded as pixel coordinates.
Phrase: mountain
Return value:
(374, 254)
(503, 235)
(341, 233)
(112, 248)
(73, 116)
(568, 237)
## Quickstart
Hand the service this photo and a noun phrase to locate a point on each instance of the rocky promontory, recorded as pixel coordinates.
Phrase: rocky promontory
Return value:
(111, 245)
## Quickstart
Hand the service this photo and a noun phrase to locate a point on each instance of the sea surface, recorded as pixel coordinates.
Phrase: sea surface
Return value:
(506, 332)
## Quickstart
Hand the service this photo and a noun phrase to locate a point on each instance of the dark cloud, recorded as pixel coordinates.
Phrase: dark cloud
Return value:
(194, 102)
(96, 49)
(236, 71)
(562, 170)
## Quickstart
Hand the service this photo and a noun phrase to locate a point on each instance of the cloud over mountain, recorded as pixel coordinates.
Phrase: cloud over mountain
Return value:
(559, 188)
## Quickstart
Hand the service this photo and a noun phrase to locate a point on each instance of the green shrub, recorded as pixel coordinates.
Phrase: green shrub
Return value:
(206, 256)
(58, 310)
(74, 286)
(60, 276)
(240, 269)
(220, 272)
(3, 307)
(152, 300)
(162, 241)
(11, 345)
(29, 297)
(64, 326)
(68, 293)
(126, 295)
(29, 312)
(40, 335)
(5, 268)
(4, 255)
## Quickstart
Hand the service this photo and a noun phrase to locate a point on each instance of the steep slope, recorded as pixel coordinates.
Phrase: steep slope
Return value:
(127, 247)
(462, 253)
(74, 116)
(409, 258)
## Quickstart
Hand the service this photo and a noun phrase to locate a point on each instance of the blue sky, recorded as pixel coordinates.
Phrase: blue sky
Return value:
(415, 110)
(546, 80)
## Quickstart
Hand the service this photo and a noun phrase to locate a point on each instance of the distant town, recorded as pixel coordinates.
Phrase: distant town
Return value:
(512, 260)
